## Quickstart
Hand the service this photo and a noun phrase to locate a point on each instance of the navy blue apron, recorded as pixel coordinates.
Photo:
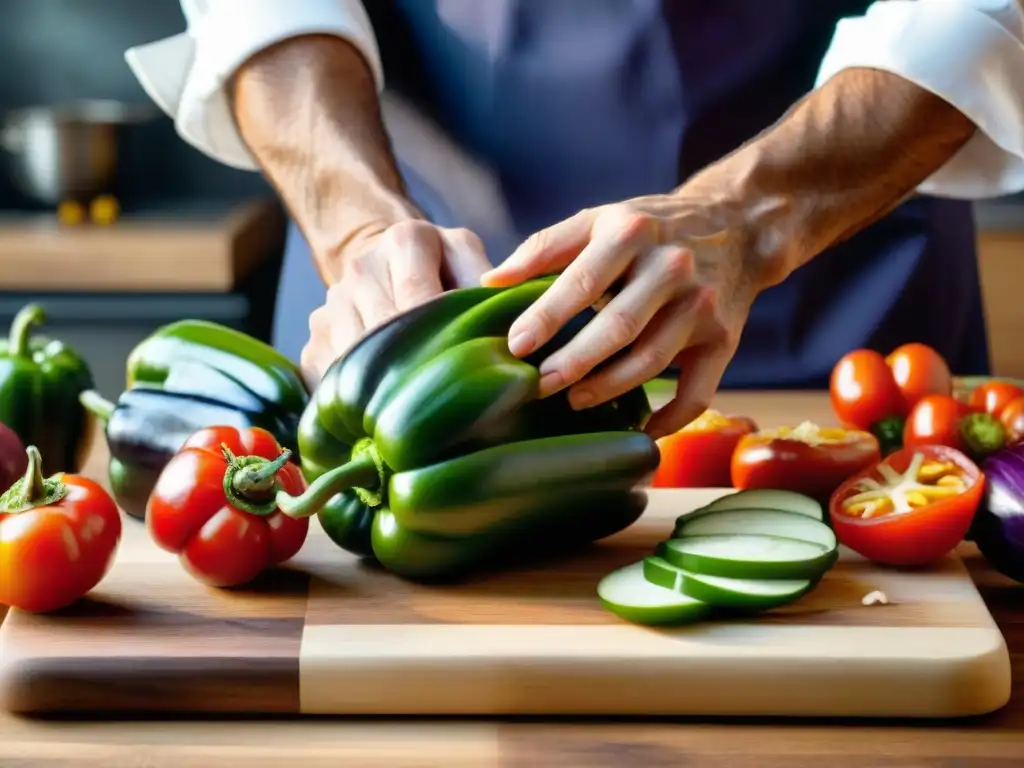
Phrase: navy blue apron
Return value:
(574, 103)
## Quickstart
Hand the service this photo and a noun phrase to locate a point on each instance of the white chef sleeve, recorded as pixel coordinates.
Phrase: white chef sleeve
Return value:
(185, 74)
(968, 52)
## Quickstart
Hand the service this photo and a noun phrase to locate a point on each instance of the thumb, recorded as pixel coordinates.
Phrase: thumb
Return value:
(701, 371)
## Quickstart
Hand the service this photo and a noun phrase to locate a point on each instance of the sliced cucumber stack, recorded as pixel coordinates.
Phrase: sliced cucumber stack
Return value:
(730, 554)
(762, 522)
(629, 595)
(721, 592)
(749, 556)
(769, 498)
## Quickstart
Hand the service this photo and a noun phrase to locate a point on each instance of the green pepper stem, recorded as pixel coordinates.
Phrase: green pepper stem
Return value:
(983, 434)
(32, 489)
(28, 317)
(250, 481)
(97, 405)
(361, 472)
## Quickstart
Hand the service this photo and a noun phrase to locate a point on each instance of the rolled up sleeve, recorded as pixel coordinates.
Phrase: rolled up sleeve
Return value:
(186, 74)
(969, 53)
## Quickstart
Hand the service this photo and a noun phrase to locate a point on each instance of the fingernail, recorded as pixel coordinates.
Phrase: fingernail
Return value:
(581, 399)
(522, 344)
(550, 383)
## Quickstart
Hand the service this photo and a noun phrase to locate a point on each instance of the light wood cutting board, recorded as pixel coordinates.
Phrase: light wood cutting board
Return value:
(332, 636)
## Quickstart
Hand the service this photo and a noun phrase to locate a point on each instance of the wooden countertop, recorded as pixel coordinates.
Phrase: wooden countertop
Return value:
(994, 741)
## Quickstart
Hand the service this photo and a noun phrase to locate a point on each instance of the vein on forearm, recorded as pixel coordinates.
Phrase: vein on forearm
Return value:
(308, 110)
(842, 158)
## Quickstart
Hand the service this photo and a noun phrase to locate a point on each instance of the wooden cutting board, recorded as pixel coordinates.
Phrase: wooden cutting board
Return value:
(332, 636)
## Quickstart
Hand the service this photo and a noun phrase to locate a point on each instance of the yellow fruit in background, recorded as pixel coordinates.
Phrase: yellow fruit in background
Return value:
(104, 209)
(70, 213)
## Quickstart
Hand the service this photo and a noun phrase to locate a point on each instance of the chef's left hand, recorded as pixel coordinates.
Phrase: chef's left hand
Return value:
(686, 273)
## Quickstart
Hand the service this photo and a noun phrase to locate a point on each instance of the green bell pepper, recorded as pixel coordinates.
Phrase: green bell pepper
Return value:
(40, 383)
(428, 448)
(174, 356)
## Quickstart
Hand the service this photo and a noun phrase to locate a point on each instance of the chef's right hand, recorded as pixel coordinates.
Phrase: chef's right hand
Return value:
(408, 263)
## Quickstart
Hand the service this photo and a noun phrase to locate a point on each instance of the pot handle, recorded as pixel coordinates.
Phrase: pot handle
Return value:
(13, 138)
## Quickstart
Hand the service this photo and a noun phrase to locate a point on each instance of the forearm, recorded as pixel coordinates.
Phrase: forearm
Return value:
(839, 160)
(308, 111)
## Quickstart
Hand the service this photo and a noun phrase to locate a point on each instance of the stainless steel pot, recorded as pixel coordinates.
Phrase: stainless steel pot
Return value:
(67, 152)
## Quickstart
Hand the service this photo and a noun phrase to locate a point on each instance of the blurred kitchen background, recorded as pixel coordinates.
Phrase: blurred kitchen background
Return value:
(194, 238)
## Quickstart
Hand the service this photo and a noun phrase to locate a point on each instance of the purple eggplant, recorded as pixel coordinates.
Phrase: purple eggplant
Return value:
(998, 528)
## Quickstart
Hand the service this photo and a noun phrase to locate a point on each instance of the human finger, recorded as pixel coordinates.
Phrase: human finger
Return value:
(544, 252)
(615, 244)
(367, 286)
(701, 371)
(410, 252)
(658, 275)
(465, 258)
(652, 352)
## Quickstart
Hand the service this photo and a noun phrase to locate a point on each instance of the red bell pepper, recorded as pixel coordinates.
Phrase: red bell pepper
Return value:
(700, 454)
(58, 538)
(910, 509)
(213, 505)
(806, 459)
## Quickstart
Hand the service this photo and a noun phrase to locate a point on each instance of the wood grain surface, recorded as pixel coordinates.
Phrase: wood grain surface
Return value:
(991, 741)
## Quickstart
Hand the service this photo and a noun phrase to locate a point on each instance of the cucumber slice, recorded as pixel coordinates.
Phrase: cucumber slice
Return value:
(764, 522)
(630, 596)
(749, 556)
(721, 592)
(770, 498)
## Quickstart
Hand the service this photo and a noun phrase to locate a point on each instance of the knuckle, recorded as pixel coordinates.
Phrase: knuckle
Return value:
(404, 233)
(677, 264)
(581, 284)
(628, 225)
(466, 237)
(623, 327)
(655, 358)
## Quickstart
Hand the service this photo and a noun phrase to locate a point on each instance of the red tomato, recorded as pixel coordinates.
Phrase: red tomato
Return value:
(1012, 417)
(904, 514)
(863, 390)
(58, 538)
(919, 371)
(700, 454)
(993, 396)
(935, 420)
(227, 538)
(808, 459)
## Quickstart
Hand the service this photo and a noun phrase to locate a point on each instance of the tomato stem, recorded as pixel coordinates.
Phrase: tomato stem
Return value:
(32, 490)
(251, 481)
(982, 433)
(889, 433)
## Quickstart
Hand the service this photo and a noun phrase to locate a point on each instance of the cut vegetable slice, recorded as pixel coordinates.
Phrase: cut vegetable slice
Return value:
(718, 591)
(770, 498)
(749, 556)
(764, 522)
(629, 595)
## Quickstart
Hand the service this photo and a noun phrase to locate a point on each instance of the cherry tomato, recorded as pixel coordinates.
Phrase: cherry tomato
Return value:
(58, 538)
(919, 371)
(700, 454)
(863, 391)
(911, 509)
(1012, 417)
(936, 420)
(993, 396)
(213, 505)
(807, 459)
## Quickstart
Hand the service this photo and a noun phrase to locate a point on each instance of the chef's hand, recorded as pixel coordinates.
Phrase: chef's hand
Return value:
(408, 263)
(685, 278)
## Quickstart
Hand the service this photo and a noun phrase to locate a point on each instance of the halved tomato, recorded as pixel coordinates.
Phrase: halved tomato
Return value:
(807, 458)
(911, 508)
